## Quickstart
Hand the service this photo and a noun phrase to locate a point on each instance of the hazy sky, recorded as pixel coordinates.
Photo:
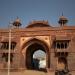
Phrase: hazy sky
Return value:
(29, 10)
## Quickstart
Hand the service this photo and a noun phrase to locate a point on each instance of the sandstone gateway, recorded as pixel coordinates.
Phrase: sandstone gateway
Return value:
(57, 42)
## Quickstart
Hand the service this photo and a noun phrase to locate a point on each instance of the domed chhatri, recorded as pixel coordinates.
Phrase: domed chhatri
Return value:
(17, 22)
(62, 20)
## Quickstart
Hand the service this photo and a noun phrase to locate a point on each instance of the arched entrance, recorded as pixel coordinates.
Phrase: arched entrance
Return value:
(62, 63)
(31, 47)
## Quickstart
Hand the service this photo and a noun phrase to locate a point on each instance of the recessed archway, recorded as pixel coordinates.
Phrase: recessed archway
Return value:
(62, 63)
(31, 47)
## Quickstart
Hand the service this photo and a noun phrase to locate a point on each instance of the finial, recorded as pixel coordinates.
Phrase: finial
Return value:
(62, 13)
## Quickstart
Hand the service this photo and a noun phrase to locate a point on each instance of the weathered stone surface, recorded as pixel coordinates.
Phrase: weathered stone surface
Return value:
(33, 38)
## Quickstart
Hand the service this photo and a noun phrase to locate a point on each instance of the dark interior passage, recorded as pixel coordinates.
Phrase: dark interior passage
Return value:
(31, 62)
(30, 52)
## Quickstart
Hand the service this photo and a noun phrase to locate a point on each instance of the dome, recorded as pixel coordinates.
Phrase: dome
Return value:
(38, 24)
(63, 18)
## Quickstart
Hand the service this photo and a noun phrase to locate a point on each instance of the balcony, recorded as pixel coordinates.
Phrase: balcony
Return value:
(61, 50)
(6, 51)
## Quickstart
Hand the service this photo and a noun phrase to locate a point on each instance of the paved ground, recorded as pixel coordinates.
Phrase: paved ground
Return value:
(26, 72)
(30, 72)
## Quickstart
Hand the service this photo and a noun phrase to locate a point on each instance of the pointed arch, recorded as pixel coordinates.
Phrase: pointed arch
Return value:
(33, 45)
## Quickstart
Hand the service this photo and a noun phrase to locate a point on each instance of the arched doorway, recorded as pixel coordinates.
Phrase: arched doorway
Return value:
(62, 63)
(31, 47)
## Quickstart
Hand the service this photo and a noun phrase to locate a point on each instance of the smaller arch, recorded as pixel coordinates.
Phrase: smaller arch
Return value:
(58, 45)
(62, 45)
(62, 63)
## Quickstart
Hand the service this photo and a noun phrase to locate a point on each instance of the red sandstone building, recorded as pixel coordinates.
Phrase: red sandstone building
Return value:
(57, 42)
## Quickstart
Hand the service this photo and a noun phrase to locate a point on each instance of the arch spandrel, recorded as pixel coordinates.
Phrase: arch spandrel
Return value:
(34, 40)
(45, 39)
